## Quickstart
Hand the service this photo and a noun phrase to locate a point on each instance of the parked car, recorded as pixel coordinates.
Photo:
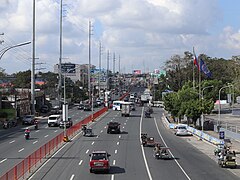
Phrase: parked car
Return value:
(181, 130)
(99, 161)
(28, 119)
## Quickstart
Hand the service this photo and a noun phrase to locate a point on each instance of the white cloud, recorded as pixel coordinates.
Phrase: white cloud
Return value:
(138, 30)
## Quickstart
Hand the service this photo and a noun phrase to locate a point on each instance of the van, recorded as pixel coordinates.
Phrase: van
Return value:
(54, 120)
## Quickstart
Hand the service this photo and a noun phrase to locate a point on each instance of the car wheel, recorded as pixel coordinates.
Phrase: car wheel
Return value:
(91, 171)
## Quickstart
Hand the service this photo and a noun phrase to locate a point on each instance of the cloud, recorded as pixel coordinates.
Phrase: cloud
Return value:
(147, 31)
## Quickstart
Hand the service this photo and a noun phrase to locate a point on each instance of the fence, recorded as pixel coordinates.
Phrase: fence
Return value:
(28, 164)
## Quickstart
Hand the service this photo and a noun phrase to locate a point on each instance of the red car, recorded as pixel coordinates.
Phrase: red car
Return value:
(99, 161)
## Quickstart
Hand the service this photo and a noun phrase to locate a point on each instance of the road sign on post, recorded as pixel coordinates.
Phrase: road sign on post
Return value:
(221, 135)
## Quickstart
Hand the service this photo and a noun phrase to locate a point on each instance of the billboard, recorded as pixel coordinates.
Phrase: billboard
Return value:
(68, 68)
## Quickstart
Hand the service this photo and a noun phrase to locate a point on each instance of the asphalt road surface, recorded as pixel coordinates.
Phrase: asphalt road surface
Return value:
(129, 159)
(14, 148)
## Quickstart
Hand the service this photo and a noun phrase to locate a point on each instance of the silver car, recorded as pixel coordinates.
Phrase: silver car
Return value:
(28, 119)
(181, 130)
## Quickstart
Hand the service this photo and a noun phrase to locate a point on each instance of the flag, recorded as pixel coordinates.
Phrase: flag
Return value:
(195, 60)
(204, 68)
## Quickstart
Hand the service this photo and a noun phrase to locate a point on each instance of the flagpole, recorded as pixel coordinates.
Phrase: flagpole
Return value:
(193, 69)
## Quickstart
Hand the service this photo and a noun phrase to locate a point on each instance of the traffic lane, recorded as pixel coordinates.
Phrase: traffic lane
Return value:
(64, 166)
(15, 150)
(129, 154)
(196, 164)
(159, 167)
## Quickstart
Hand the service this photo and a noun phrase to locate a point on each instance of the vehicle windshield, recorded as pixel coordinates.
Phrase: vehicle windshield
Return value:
(182, 127)
(99, 156)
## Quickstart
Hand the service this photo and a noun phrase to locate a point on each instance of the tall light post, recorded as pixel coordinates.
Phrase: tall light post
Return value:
(4, 50)
(232, 101)
(202, 103)
(219, 106)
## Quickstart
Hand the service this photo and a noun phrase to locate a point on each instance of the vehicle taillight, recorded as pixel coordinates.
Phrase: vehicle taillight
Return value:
(106, 163)
(91, 163)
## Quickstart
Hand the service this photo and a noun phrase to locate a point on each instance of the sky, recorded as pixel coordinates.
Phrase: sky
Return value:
(143, 33)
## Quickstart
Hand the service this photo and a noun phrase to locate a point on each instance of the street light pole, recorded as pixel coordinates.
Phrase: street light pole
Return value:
(4, 50)
(219, 106)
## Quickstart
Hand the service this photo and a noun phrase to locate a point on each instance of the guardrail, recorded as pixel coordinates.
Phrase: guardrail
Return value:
(196, 132)
(27, 165)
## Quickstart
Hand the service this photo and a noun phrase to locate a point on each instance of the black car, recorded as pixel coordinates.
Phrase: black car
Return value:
(80, 106)
(68, 123)
(87, 107)
(113, 127)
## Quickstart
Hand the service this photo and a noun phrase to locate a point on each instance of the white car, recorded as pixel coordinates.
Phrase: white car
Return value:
(181, 130)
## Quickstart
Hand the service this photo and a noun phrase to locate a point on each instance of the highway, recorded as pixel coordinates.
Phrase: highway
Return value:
(14, 147)
(129, 159)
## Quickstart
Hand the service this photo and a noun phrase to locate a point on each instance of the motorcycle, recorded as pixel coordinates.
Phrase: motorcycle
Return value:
(36, 125)
(147, 114)
(27, 135)
(5, 125)
(157, 155)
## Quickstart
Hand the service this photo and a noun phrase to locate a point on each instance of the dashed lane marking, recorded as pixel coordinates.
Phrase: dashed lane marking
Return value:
(12, 142)
(46, 126)
(80, 163)
(93, 143)
(46, 136)
(116, 151)
(72, 177)
(119, 136)
(35, 142)
(101, 131)
(3, 160)
(56, 131)
(21, 150)
(87, 151)
(112, 177)
(117, 143)
(114, 162)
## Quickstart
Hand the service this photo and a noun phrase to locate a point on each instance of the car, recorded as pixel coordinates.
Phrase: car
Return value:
(99, 161)
(68, 123)
(54, 120)
(28, 119)
(113, 127)
(88, 132)
(181, 130)
(80, 107)
(87, 107)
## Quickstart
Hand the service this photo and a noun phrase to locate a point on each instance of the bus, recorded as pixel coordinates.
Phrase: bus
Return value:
(117, 105)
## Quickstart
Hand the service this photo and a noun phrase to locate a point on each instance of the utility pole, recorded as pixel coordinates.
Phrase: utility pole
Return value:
(90, 95)
(108, 69)
(99, 73)
(60, 60)
(33, 63)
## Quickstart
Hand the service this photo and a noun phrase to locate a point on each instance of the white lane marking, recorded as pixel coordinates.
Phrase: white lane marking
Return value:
(101, 131)
(126, 120)
(111, 120)
(112, 177)
(124, 123)
(37, 130)
(119, 136)
(97, 136)
(87, 151)
(12, 142)
(105, 127)
(123, 127)
(3, 160)
(93, 143)
(116, 115)
(170, 151)
(56, 131)
(46, 136)
(116, 151)
(80, 163)
(21, 150)
(143, 152)
(127, 117)
(46, 127)
(35, 142)
(72, 177)
(117, 143)
(114, 118)
(114, 162)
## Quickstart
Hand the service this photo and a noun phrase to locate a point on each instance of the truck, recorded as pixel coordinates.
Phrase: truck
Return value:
(125, 108)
